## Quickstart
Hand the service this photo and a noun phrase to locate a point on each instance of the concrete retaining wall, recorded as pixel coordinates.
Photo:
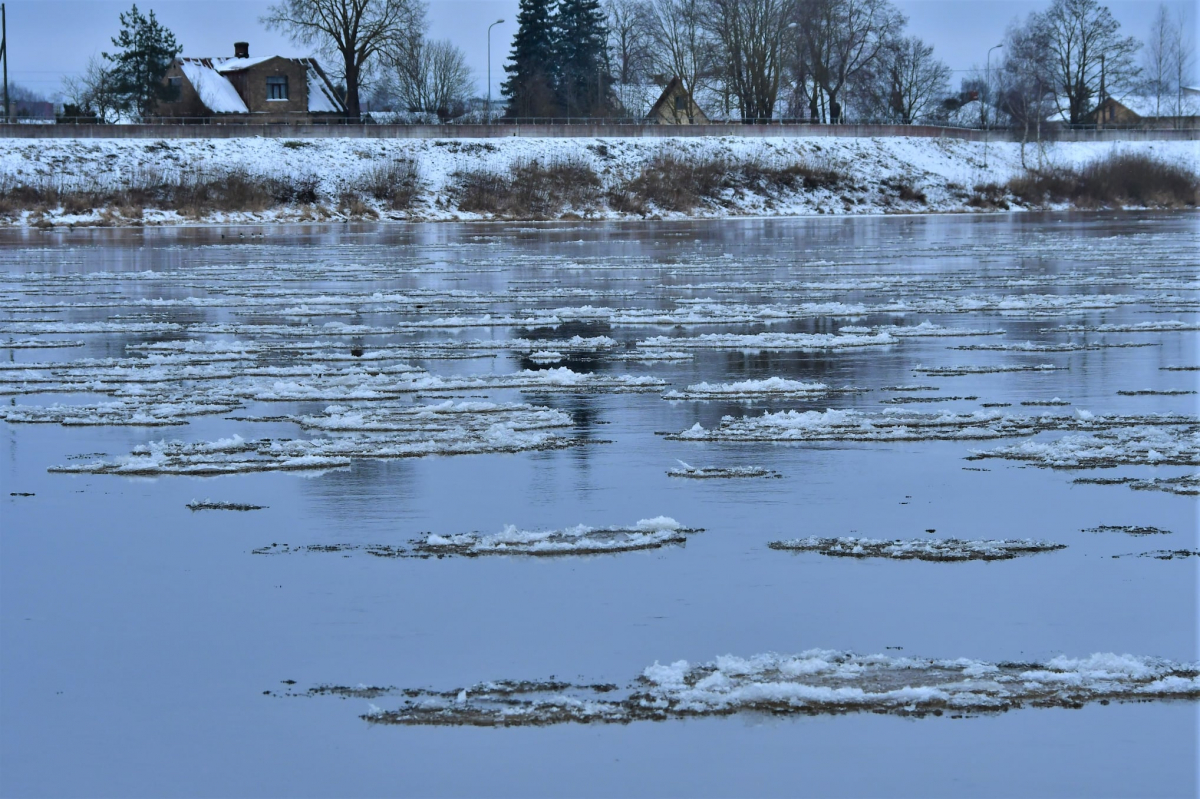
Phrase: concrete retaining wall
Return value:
(284, 131)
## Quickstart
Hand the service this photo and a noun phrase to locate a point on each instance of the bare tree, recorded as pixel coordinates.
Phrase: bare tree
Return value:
(431, 77)
(750, 34)
(1182, 62)
(629, 43)
(1157, 58)
(682, 46)
(1026, 80)
(94, 92)
(1090, 56)
(356, 30)
(915, 80)
(841, 38)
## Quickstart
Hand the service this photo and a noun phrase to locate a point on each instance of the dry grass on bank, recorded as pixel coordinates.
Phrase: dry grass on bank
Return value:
(672, 181)
(528, 190)
(1121, 179)
(197, 194)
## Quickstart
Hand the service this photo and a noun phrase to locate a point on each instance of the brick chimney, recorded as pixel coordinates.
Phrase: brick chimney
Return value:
(241, 49)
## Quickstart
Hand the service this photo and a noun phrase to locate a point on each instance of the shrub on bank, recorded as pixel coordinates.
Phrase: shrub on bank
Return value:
(673, 181)
(529, 189)
(1116, 180)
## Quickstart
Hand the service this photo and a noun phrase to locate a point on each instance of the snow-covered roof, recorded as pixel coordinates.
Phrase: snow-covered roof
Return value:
(215, 90)
(207, 76)
(234, 64)
(321, 98)
(1164, 106)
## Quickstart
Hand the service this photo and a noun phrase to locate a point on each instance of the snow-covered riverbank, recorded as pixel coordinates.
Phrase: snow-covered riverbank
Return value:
(869, 175)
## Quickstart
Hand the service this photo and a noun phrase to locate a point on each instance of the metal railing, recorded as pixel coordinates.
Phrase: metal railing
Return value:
(1184, 123)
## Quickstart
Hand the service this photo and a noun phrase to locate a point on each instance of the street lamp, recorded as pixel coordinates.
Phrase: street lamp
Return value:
(779, 66)
(489, 100)
(987, 90)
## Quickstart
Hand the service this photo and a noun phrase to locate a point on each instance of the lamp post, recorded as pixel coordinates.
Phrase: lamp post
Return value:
(987, 91)
(779, 66)
(489, 69)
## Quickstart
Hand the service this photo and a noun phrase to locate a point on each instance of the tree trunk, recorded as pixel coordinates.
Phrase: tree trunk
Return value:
(353, 109)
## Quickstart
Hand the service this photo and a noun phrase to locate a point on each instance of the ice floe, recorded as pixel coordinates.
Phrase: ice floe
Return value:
(581, 540)
(236, 455)
(1127, 529)
(758, 342)
(754, 389)
(814, 682)
(1187, 485)
(208, 504)
(1150, 446)
(935, 549)
(718, 472)
(960, 371)
(899, 424)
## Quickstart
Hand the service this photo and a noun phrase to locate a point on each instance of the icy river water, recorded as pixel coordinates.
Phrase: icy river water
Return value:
(709, 416)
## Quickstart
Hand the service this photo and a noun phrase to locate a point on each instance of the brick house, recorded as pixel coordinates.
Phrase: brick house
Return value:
(265, 88)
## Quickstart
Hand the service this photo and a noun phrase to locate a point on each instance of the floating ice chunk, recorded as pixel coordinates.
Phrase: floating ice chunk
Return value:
(767, 341)
(236, 455)
(943, 549)
(714, 472)
(750, 389)
(581, 540)
(1152, 446)
(813, 682)
(908, 425)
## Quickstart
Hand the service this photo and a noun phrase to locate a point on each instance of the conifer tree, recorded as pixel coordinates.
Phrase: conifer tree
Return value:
(530, 84)
(580, 36)
(146, 50)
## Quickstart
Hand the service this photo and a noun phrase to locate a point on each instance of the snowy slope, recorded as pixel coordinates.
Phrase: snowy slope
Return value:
(945, 170)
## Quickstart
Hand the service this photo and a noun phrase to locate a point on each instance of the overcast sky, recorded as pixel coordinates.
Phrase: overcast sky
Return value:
(52, 38)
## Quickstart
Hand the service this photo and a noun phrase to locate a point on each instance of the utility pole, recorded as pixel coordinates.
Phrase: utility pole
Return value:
(4, 56)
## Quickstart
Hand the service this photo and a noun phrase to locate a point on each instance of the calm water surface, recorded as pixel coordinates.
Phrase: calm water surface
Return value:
(137, 638)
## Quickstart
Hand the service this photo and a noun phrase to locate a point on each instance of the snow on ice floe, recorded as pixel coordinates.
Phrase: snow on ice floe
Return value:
(208, 504)
(37, 344)
(934, 549)
(961, 371)
(1166, 326)
(443, 416)
(814, 682)
(1148, 446)
(909, 425)
(1029, 346)
(754, 389)
(653, 533)
(236, 455)
(1187, 485)
(767, 341)
(120, 413)
(718, 472)
(1127, 529)
(1150, 392)
(581, 540)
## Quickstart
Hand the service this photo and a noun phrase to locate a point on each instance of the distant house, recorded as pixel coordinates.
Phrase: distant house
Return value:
(31, 109)
(1139, 111)
(266, 88)
(675, 106)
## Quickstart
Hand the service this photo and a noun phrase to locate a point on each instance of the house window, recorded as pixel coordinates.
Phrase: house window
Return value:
(176, 83)
(681, 102)
(277, 87)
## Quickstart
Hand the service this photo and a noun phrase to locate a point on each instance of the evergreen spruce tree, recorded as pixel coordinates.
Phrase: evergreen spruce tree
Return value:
(584, 87)
(146, 50)
(530, 84)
